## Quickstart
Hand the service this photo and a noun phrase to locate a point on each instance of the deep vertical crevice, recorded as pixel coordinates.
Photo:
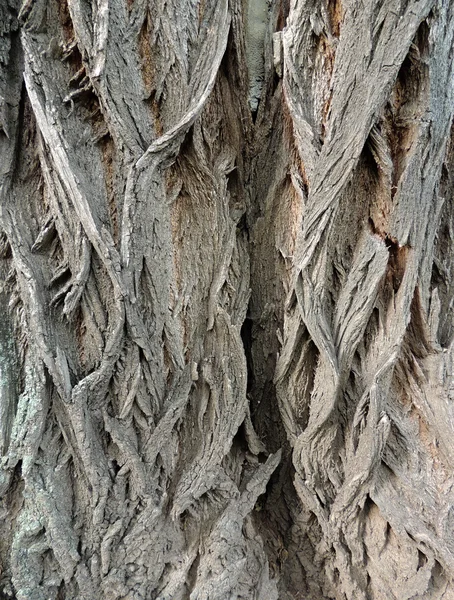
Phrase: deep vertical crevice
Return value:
(257, 19)
(246, 336)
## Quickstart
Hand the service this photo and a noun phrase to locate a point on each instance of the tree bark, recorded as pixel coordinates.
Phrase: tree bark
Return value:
(226, 345)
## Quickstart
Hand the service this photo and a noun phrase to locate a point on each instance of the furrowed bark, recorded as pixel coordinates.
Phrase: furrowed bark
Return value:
(226, 342)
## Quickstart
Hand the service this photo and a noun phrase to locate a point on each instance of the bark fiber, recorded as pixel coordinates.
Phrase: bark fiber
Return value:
(227, 282)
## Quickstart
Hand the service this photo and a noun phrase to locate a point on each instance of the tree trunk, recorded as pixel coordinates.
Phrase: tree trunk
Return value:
(227, 280)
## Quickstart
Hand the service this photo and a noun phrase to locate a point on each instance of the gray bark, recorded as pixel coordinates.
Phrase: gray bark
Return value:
(226, 345)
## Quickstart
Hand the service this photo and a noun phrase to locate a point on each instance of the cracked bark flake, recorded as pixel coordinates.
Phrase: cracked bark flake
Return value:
(227, 337)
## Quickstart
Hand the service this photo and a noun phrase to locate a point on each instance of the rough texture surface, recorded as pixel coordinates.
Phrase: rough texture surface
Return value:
(226, 344)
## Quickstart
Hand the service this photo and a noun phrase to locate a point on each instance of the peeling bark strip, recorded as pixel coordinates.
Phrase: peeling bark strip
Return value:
(226, 241)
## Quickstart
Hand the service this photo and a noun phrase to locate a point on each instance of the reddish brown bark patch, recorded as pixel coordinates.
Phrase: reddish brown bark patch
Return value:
(335, 15)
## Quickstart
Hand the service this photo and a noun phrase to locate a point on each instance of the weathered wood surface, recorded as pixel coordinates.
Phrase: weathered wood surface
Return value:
(227, 336)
